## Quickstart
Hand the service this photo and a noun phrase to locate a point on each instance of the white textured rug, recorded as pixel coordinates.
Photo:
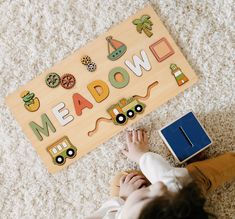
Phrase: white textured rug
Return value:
(36, 34)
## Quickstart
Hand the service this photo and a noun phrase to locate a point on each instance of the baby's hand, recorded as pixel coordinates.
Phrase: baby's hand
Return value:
(131, 182)
(137, 144)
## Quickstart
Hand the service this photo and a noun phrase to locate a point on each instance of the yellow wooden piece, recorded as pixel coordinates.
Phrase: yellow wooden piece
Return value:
(99, 90)
(33, 107)
(77, 129)
(31, 103)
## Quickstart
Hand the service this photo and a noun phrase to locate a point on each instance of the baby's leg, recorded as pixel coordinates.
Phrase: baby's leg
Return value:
(212, 173)
(115, 182)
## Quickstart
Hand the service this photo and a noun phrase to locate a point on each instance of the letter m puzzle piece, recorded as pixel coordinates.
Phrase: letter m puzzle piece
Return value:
(44, 130)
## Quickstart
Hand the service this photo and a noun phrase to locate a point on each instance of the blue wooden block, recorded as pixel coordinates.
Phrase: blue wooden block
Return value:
(185, 137)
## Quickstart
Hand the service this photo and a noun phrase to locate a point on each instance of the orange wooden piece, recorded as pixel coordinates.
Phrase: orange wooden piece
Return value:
(80, 103)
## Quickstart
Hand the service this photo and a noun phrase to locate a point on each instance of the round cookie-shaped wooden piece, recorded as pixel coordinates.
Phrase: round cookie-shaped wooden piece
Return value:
(67, 81)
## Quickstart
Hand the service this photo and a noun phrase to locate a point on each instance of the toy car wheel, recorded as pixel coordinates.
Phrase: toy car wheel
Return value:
(70, 152)
(130, 113)
(138, 108)
(121, 118)
(59, 160)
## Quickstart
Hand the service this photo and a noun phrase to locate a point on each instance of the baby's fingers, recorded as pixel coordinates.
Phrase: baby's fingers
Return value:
(145, 137)
(122, 179)
(130, 176)
(136, 178)
(125, 152)
(129, 136)
(140, 135)
(134, 136)
(139, 183)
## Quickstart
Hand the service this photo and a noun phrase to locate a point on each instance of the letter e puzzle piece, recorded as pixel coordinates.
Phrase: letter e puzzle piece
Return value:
(62, 114)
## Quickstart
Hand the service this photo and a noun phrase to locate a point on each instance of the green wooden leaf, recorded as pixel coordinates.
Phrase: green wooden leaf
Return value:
(139, 28)
(137, 21)
(148, 26)
(144, 18)
(149, 22)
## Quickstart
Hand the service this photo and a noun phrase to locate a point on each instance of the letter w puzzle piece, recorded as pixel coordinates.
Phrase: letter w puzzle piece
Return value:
(100, 89)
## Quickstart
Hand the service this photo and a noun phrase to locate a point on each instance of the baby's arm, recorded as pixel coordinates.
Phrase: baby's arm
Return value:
(109, 209)
(152, 165)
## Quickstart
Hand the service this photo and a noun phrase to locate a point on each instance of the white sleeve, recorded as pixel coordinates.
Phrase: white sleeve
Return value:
(154, 166)
(109, 210)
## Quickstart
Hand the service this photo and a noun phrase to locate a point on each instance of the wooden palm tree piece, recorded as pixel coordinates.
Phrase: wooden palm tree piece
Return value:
(144, 24)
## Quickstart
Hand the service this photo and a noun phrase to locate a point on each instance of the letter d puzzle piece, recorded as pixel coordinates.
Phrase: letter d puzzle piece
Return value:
(99, 90)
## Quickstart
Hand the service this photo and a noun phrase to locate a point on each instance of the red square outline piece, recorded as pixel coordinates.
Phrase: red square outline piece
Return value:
(160, 59)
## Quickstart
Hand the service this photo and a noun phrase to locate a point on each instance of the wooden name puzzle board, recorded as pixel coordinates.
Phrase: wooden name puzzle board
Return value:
(93, 94)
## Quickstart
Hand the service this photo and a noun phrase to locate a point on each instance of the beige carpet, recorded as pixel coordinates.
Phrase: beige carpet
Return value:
(36, 34)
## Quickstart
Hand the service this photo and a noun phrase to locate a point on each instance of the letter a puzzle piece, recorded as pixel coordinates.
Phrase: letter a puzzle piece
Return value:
(80, 103)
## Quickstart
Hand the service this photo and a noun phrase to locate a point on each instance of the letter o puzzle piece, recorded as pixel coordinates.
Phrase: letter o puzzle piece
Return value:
(68, 81)
(125, 77)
